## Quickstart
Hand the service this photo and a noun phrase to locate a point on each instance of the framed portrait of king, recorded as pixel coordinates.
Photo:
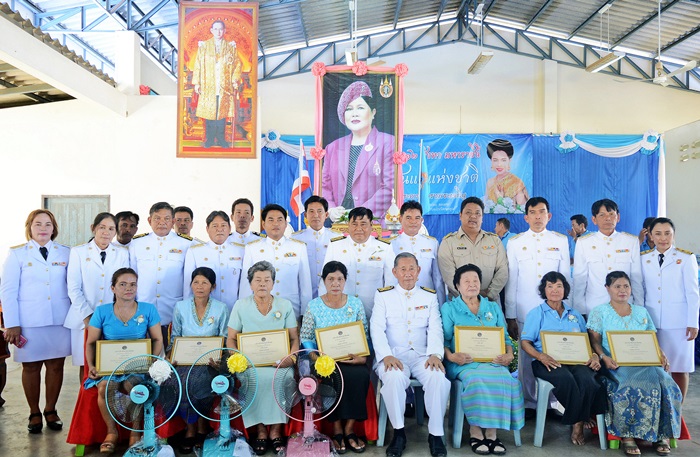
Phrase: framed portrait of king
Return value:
(217, 80)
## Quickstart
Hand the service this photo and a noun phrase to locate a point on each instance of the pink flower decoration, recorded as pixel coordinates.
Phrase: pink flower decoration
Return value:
(318, 153)
(400, 157)
(359, 68)
(401, 70)
(318, 69)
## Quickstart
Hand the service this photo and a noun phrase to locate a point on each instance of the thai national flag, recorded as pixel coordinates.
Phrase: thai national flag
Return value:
(301, 189)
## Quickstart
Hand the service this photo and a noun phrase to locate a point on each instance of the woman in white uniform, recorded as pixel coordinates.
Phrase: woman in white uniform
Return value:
(35, 302)
(90, 271)
(672, 299)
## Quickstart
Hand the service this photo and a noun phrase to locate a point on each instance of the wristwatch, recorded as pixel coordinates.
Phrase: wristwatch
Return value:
(439, 356)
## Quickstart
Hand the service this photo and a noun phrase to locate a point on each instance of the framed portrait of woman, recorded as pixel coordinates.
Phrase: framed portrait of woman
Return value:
(217, 80)
(360, 134)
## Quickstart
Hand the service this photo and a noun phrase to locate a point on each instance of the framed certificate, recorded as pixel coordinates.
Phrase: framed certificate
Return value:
(340, 340)
(264, 348)
(110, 353)
(187, 349)
(567, 348)
(637, 348)
(482, 343)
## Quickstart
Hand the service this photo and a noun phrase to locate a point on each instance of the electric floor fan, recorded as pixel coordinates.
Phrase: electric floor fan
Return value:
(142, 394)
(314, 379)
(228, 377)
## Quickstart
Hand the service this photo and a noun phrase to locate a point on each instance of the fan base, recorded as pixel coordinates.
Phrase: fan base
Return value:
(163, 450)
(211, 447)
(296, 446)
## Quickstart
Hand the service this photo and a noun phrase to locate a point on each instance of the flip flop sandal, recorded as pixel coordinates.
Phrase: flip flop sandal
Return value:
(338, 443)
(260, 446)
(357, 450)
(662, 448)
(493, 444)
(277, 444)
(476, 443)
(630, 448)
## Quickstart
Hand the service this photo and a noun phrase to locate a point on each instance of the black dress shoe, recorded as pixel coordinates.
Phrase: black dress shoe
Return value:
(53, 425)
(437, 447)
(397, 446)
(530, 413)
(34, 428)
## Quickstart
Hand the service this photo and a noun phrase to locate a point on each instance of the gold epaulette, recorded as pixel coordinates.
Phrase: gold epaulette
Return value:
(187, 237)
(19, 246)
(297, 241)
(197, 245)
(255, 241)
(646, 252)
(448, 235)
(628, 234)
(585, 236)
(428, 236)
(428, 289)
(384, 240)
(298, 232)
(557, 233)
(684, 251)
(141, 235)
(237, 244)
(337, 238)
(385, 289)
(516, 236)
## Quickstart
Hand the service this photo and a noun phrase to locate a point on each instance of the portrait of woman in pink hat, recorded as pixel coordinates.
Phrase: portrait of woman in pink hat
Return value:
(358, 169)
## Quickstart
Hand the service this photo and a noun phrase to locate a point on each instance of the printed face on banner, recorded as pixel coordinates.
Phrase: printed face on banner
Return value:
(497, 169)
(217, 84)
(359, 135)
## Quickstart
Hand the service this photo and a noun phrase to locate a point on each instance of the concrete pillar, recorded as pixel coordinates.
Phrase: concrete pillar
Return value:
(127, 62)
(550, 96)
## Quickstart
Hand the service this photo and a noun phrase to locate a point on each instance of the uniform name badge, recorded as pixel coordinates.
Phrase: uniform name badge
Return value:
(483, 344)
(341, 340)
(111, 353)
(187, 349)
(640, 348)
(567, 348)
(264, 348)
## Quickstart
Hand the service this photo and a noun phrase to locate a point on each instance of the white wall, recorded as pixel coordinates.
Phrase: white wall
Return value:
(76, 148)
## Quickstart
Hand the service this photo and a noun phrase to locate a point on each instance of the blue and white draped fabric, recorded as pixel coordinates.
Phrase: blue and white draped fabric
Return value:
(613, 146)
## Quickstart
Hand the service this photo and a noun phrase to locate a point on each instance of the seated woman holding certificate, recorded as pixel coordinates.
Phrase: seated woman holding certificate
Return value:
(262, 312)
(336, 308)
(125, 319)
(643, 401)
(575, 385)
(203, 316)
(491, 398)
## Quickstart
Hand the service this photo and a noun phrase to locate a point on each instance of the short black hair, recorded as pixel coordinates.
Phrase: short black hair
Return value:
(332, 267)
(614, 276)
(661, 220)
(242, 201)
(552, 277)
(273, 207)
(127, 215)
(604, 203)
(505, 222)
(316, 199)
(206, 272)
(184, 209)
(580, 219)
(464, 269)
(359, 213)
(475, 200)
(159, 206)
(410, 204)
(647, 222)
(221, 214)
(534, 201)
(500, 145)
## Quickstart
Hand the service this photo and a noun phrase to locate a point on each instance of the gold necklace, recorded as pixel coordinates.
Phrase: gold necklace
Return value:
(120, 315)
(269, 306)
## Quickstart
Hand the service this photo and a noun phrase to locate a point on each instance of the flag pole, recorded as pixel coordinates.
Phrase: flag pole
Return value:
(301, 165)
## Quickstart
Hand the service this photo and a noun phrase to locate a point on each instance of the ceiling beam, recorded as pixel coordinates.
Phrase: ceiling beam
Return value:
(590, 18)
(538, 13)
(644, 22)
(25, 89)
(397, 14)
(681, 39)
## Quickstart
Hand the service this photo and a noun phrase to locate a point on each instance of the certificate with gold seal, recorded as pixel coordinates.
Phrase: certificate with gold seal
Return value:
(567, 348)
(187, 349)
(340, 340)
(481, 343)
(111, 353)
(635, 348)
(264, 348)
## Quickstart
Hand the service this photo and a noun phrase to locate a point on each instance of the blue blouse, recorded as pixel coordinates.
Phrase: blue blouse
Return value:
(136, 328)
(544, 318)
(318, 315)
(604, 318)
(186, 323)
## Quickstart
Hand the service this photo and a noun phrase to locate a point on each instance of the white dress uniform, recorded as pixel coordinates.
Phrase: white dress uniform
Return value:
(672, 299)
(292, 280)
(595, 256)
(90, 286)
(225, 259)
(369, 267)
(243, 238)
(35, 297)
(316, 246)
(425, 248)
(406, 324)
(159, 262)
(530, 256)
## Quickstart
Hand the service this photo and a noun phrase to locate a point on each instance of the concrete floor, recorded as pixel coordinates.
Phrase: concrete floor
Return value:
(16, 442)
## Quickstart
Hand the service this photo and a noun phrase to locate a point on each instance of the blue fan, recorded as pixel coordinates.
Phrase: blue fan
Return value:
(228, 376)
(142, 394)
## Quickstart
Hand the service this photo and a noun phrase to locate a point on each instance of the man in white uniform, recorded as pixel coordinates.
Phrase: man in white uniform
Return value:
(242, 216)
(316, 236)
(369, 260)
(224, 257)
(424, 247)
(408, 342)
(288, 256)
(601, 252)
(159, 259)
(531, 255)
